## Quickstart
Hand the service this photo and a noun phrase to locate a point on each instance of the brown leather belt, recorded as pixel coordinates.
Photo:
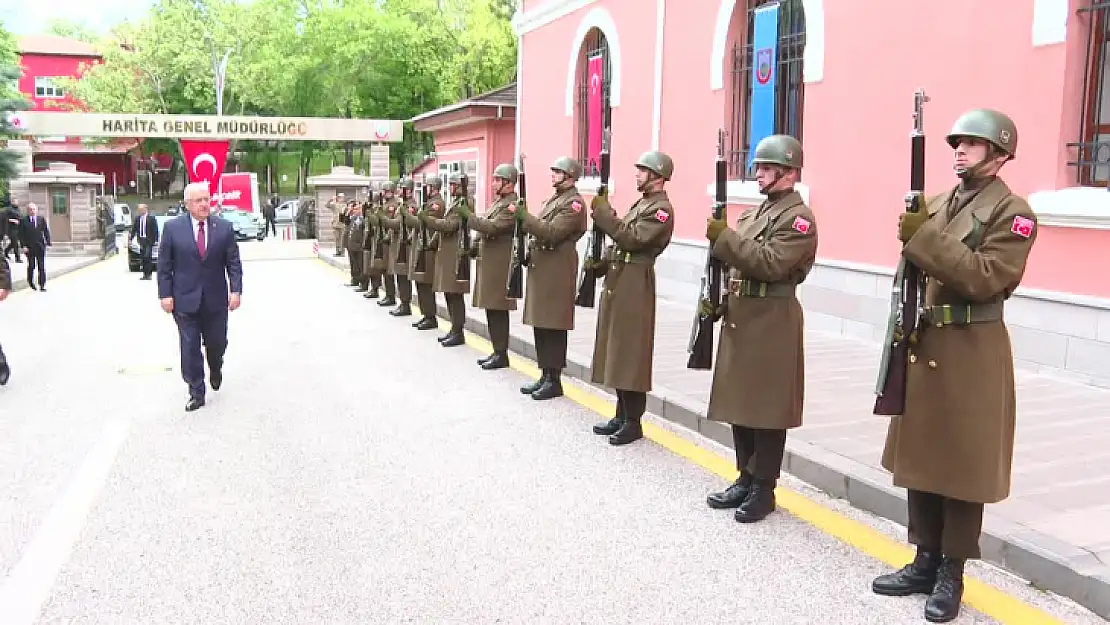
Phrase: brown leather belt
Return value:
(755, 288)
(962, 314)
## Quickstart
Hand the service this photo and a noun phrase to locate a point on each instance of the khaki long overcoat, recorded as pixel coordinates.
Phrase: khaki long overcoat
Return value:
(553, 260)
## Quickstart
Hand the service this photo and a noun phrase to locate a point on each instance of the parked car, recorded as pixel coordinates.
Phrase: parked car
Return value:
(247, 226)
(121, 215)
(134, 258)
(286, 211)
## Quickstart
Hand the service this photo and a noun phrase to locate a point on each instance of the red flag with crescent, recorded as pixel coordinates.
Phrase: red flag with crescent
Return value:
(595, 71)
(205, 160)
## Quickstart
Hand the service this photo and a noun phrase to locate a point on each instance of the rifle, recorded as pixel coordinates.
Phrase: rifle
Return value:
(403, 247)
(907, 300)
(515, 287)
(700, 346)
(379, 247)
(462, 266)
(422, 247)
(587, 281)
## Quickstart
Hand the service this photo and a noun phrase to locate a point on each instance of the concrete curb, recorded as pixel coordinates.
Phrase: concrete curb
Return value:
(21, 283)
(1045, 562)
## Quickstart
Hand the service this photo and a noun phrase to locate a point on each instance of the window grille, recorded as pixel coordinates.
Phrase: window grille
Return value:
(595, 45)
(1091, 153)
(789, 87)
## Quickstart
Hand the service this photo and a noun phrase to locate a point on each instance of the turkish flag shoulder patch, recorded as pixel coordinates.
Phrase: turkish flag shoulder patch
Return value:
(1022, 226)
(801, 224)
(661, 216)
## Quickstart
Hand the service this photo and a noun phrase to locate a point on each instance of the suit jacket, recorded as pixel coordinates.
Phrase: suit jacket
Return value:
(151, 229)
(193, 282)
(35, 236)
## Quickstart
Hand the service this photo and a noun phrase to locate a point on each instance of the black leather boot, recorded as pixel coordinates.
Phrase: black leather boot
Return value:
(531, 387)
(916, 578)
(371, 294)
(499, 360)
(943, 604)
(453, 339)
(551, 388)
(5, 370)
(630, 432)
(610, 427)
(387, 301)
(403, 310)
(427, 324)
(482, 361)
(732, 496)
(759, 504)
(361, 289)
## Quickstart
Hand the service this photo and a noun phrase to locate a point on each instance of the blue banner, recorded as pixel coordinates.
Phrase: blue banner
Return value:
(765, 42)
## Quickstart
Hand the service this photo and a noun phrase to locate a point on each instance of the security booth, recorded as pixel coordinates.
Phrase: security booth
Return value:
(67, 198)
(342, 179)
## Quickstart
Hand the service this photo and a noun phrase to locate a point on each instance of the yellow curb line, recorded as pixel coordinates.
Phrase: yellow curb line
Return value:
(980, 596)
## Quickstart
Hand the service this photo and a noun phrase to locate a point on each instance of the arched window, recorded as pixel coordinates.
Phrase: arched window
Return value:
(789, 87)
(594, 47)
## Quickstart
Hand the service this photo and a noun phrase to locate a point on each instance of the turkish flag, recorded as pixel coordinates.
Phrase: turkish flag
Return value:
(205, 160)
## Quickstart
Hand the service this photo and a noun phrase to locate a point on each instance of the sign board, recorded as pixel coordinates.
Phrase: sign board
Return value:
(59, 123)
(379, 163)
(238, 190)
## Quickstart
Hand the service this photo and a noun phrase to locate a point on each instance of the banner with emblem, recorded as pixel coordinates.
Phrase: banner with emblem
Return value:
(204, 161)
(765, 41)
(595, 73)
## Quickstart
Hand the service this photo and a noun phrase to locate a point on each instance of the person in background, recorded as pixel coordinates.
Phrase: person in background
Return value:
(12, 218)
(145, 228)
(35, 236)
(269, 212)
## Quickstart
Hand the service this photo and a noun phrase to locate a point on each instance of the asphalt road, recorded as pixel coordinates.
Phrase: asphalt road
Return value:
(352, 470)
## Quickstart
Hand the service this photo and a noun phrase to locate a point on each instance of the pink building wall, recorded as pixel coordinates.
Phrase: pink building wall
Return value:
(488, 142)
(856, 111)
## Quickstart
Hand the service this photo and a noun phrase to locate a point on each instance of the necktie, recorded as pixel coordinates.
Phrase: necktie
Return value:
(142, 228)
(200, 239)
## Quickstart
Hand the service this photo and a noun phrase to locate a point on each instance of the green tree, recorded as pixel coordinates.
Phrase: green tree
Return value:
(10, 101)
(70, 29)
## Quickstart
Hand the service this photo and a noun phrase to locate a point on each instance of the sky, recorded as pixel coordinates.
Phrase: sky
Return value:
(24, 17)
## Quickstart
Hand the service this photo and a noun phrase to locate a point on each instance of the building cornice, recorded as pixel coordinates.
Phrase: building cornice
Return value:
(525, 22)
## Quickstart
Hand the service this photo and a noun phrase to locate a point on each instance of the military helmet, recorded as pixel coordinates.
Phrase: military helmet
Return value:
(435, 183)
(456, 178)
(387, 186)
(406, 183)
(506, 171)
(986, 124)
(568, 166)
(779, 150)
(657, 162)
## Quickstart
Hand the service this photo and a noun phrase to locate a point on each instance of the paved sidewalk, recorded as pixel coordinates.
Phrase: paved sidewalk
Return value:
(1054, 530)
(55, 266)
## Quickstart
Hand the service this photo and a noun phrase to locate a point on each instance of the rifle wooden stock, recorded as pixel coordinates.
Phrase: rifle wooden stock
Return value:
(908, 292)
(587, 280)
(514, 288)
(700, 347)
(422, 245)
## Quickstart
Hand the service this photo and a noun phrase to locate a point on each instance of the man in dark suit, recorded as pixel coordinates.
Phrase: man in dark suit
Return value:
(145, 228)
(197, 259)
(12, 220)
(34, 233)
(5, 288)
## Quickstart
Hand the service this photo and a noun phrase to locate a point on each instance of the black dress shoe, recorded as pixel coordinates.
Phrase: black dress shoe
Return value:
(943, 605)
(630, 432)
(733, 496)
(193, 404)
(610, 427)
(759, 504)
(551, 388)
(916, 578)
(427, 324)
(453, 340)
(401, 311)
(499, 360)
(531, 387)
(216, 379)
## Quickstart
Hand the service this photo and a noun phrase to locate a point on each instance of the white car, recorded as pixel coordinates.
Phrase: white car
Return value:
(287, 211)
(121, 215)
(247, 225)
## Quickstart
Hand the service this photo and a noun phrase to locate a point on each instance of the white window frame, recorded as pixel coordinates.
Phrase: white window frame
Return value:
(46, 89)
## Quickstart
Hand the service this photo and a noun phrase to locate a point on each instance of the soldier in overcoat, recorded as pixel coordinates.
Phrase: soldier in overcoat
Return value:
(759, 376)
(952, 448)
(375, 261)
(397, 254)
(552, 271)
(5, 289)
(625, 341)
(356, 234)
(423, 244)
(389, 211)
(493, 247)
(448, 229)
(338, 207)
